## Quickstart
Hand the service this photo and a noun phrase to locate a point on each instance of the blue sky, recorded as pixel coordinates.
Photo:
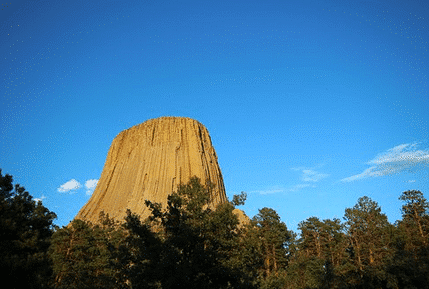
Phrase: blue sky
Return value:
(310, 104)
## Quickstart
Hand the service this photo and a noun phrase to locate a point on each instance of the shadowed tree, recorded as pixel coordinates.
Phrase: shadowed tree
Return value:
(198, 242)
(186, 245)
(141, 256)
(370, 235)
(409, 268)
(321, 253)
(25, 230)
(86, 255)
(265, 249)
(415, 219)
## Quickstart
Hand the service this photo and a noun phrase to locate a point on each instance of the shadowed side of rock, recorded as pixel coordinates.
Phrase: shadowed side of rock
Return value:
(148, 161)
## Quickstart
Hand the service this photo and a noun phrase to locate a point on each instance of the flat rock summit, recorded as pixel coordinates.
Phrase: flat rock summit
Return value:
(148, 161)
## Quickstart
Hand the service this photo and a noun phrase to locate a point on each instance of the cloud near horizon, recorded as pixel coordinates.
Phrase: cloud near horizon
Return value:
(272, 191)
(395, 160)
(73, 185)
(309, 176)
(299, 187)
(39, 199)
(90, 186)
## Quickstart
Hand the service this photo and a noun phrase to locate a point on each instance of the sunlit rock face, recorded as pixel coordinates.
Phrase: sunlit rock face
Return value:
(148, 161)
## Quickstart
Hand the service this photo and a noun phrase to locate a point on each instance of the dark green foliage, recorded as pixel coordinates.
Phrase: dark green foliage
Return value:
(265, 249)
(321, 254)
(415, 204)
(25, 231)
(198, 243)
(141, 255)
(186, 245)
(87, 256)
(275, 239)
(369, 235)
(415, 219)
(350, 255)
(409, 268)
(189, 244)
(239, 200)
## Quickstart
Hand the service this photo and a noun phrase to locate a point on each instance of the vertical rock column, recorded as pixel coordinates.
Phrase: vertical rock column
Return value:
(148, 161)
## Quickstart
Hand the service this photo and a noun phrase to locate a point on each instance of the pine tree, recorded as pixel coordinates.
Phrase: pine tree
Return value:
(141, 262)
(320, 253)
(311, 237)
(369, 234)
(415, 218)
(25, 230)
(198, 242)
(265, 249)
(86, 255)
(409, 268)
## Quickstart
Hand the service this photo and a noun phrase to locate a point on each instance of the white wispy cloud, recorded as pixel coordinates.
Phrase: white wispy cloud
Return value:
(294, 188)
(270, 191)
(298, 187)
(39, 199)
(71, 185)
(90, 186)
(393, 161)
(310, 175)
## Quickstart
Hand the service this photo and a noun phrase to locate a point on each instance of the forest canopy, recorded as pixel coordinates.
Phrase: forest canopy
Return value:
(187, 244)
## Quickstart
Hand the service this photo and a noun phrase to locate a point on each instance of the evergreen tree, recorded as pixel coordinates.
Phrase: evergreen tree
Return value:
(275, 238)
(198, 242)
(265, 249)
(369, 235)
(311, 237)
(321, 253)
(140, 258)
(25, 230)
(409, 268)
(415, 218)
(86, 256)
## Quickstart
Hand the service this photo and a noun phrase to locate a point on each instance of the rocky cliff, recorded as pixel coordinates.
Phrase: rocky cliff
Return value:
(148, 161)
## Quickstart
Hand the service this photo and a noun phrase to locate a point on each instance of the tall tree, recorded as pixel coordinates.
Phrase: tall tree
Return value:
(415, 219)
(265, 249)
(197, 241)
(409, 268)
(311, 237)
(321, 253)
(369, 234)
(85, 255)
(275, 238)
(140, 259)
(25, 230)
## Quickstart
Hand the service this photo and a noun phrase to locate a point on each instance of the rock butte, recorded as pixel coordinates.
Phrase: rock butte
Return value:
(148, 161)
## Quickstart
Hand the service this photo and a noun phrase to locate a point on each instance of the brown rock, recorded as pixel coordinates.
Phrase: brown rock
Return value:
(148, 161)
(243, 219)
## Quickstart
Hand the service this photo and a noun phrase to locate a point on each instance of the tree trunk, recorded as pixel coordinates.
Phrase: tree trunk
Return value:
(358, 253)
(371, 256)
(419, 226)
(267, 260)
(318, 244)
(274, 260)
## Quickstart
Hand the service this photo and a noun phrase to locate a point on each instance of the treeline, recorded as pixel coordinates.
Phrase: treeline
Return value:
(190, 245)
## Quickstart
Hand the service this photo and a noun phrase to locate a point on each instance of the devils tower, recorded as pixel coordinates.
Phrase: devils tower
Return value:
(148, 161)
